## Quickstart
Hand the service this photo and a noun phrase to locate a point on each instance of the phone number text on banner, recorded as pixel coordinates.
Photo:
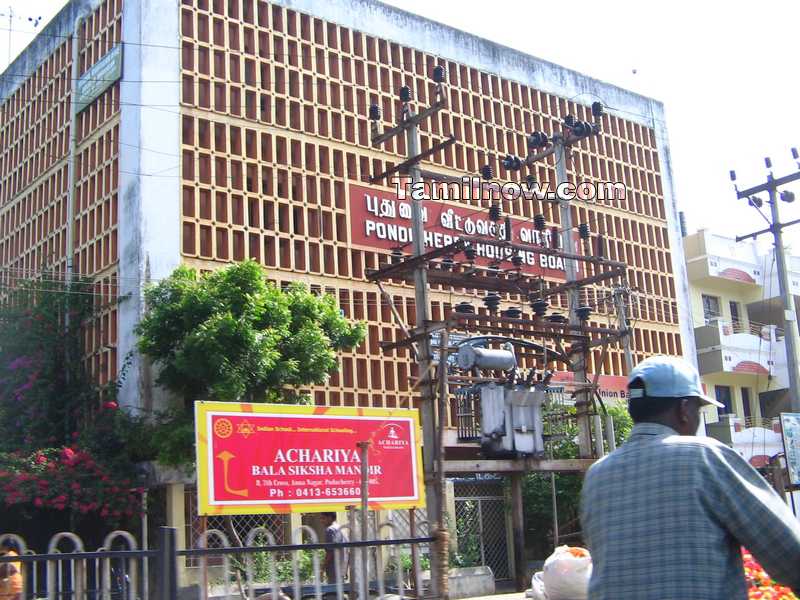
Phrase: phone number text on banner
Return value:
(271, 458)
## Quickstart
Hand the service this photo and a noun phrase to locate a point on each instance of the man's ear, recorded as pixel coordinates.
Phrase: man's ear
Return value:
(684, 411)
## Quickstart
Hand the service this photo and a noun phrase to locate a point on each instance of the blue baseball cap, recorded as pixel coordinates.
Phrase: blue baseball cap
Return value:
(668, 377)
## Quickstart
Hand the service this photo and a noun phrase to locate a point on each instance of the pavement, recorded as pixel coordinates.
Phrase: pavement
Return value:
(514, 596)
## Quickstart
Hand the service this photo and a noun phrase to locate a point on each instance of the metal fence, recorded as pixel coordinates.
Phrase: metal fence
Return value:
(481, 527)
(261, 569)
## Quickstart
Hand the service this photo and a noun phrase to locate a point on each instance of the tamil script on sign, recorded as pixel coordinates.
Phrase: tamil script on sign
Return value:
(381, 219)
(286, 458)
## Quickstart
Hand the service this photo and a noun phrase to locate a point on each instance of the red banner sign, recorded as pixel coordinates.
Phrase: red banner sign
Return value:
(276, 458)
(610, 387)
(382, 219)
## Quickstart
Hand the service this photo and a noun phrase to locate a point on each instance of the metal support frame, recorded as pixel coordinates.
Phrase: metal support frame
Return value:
(404, 166)
(409, 124)
(511, 282)
(422, 270)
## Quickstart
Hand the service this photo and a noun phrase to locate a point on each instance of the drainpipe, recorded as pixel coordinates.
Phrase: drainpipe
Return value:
(71, 179)
(73, 148)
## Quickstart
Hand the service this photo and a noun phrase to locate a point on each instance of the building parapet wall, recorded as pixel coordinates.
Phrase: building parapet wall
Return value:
(56, 32)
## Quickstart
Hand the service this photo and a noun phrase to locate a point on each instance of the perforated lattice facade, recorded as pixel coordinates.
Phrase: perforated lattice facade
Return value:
(274, 131)
(35, 179)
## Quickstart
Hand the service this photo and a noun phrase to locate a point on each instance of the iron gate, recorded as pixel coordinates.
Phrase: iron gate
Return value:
(481, 526)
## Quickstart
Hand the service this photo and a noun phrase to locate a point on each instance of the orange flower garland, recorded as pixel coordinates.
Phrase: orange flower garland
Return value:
(760, 585)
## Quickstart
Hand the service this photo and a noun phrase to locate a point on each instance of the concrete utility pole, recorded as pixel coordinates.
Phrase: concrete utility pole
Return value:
(422, 312)
(561, 156)
(621, 296)
(540, 147)
(34, 21)
(791, 335)
(409, 124)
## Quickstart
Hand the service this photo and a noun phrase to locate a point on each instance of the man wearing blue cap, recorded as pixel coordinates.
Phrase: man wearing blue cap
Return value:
(665, 515)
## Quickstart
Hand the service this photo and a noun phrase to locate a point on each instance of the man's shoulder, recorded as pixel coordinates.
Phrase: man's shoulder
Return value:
(679, 447)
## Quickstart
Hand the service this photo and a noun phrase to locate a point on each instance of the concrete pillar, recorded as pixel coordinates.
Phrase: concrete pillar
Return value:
(295, 521)
(450, 513)
(176, 517)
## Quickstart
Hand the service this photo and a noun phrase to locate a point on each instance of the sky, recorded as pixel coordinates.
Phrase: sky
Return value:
(725, 71)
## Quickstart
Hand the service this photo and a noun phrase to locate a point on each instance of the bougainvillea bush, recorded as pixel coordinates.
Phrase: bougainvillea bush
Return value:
(66, 457)
(66, 479)
(761, 585)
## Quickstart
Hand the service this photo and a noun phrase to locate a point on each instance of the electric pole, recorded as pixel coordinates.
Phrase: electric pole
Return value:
(621, 295)
(791, 335)
(11, 16)
(561, 156)
(541, 147)
(409, 124)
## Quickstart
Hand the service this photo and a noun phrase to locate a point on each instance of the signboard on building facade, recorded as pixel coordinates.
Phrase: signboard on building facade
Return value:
(100, 76)
(275, 458)
(790, 424)
(610, 387)
(382, 219)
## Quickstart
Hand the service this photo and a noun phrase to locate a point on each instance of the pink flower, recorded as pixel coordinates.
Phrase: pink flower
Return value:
(68, 455)
(38, 502)
(110, 405)
(20, 362)
(41, 459)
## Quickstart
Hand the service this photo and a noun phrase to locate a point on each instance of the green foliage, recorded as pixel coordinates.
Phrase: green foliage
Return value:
(264, 563)
(232, 335)
(404, 559)
(469, 552)
(622, 422)
(469, 543)
(305, 566)
(537, 490)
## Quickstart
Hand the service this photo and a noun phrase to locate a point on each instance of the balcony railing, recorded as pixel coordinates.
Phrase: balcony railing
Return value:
(730, 329)
(754, 348)
(758, 422)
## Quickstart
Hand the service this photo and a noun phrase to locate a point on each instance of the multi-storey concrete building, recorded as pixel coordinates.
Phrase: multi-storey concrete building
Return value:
(139, 135)
(739, 324)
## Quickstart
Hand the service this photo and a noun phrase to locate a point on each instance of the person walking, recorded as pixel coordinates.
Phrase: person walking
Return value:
(665, 515)
(333, 535)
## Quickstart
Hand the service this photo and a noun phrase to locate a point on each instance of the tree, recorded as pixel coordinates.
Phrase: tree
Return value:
(232, 335)
(537, 491)
(44, 386)
(65, 452)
